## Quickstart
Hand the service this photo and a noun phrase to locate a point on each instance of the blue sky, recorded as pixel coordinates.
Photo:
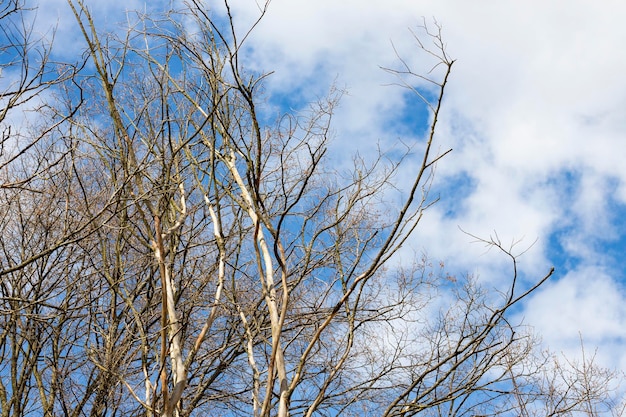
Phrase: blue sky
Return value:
(535, 112)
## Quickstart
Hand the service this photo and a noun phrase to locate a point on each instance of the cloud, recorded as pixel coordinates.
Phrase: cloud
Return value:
(587, 303)
(534, 112)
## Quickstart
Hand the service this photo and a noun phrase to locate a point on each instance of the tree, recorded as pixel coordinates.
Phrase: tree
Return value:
(189, 253)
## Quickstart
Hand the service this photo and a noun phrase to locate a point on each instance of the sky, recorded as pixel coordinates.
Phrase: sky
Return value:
(535, 113)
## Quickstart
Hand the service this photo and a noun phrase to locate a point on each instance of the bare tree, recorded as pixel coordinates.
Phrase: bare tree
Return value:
(36, 287)
(189, 254)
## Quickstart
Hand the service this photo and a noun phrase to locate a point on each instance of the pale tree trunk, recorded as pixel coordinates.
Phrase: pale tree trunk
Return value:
(277, 361)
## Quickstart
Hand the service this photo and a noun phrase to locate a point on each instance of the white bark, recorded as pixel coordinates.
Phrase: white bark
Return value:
(277, 359)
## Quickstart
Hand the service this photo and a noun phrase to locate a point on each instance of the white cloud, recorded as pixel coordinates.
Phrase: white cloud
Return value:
(585, 303)
(534, 111)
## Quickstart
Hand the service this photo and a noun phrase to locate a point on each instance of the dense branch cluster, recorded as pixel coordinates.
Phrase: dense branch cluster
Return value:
(171, 247)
